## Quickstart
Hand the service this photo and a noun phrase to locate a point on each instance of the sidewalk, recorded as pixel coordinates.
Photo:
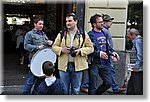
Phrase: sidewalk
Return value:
(12, 90)
(14, 76)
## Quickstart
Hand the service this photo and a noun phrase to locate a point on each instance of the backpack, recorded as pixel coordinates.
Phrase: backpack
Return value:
(81, 32)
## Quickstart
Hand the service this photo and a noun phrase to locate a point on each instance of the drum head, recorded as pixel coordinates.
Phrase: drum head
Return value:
(39, 58)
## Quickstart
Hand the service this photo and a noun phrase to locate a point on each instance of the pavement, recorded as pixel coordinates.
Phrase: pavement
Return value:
(14, 76)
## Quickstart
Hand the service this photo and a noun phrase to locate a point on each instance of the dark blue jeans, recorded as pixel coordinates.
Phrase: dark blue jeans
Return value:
(135, 84)
(85, 79)
(104, 71)
(32, 82)
(115, 86)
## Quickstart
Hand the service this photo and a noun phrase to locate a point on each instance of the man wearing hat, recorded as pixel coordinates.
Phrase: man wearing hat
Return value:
(107, 24)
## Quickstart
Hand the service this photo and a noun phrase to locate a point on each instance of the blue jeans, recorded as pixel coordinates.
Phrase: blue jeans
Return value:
(85, 80)
(115, 86)
(31, 82)
(73, 78)
(104, 71)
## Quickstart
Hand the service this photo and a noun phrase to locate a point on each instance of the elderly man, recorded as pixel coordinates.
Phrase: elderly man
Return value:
(135, 84)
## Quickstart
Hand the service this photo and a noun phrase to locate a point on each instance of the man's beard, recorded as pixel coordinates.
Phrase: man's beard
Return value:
(99, 28)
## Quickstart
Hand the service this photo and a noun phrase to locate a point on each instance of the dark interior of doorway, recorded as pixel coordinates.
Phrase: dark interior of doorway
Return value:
(53, 15)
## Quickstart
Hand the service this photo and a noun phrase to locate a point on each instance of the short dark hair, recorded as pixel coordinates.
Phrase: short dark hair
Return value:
(73, 15)
(93, 18)
(48, 68)
(36, 19)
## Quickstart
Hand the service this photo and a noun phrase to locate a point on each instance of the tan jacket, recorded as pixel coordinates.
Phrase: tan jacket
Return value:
(79, 60)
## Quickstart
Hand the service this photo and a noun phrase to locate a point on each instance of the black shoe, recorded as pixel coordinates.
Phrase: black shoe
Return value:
(120, 91)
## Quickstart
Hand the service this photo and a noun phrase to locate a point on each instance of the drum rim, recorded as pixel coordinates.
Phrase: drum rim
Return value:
(33, 58)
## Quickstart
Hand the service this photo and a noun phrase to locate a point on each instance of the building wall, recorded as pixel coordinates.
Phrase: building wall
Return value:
(116, 9)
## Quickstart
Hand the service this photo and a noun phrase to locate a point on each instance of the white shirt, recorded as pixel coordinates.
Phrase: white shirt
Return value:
(49, 81)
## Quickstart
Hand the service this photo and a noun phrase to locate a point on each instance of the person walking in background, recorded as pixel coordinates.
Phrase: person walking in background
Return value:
(20, 32)
(135, 83)
(34, 40)
(100, 58)
(107, 25)
(72, 46)
(51, 85)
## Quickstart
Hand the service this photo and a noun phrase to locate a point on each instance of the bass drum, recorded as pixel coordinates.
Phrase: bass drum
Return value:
(42, 55)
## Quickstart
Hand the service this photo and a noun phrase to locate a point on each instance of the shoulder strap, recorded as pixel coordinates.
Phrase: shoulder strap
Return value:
(91, 35)
(64, 31)
(81, 31)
